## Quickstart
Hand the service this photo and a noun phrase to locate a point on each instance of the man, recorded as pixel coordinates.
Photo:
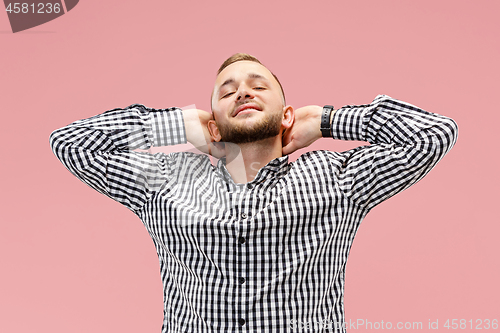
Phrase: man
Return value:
(255, 243)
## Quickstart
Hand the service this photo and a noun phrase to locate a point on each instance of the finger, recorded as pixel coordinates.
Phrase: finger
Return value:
(287, 137)
(217, 149)
(289, 148)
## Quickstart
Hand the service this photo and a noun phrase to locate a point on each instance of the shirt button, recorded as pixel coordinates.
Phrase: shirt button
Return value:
(241, 321)
(249, 186)
(241, 240)
(243, 216)
(241, 280)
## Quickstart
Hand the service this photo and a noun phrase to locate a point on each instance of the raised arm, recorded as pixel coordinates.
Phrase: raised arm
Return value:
(406, 143)
(99, 150)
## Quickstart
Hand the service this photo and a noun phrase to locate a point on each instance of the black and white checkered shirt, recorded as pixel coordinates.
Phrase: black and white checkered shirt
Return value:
(269, 255)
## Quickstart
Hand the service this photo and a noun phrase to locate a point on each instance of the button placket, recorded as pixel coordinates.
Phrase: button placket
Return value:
(243, 286)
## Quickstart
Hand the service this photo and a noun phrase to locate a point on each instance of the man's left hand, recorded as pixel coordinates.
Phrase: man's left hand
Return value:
(305, 129)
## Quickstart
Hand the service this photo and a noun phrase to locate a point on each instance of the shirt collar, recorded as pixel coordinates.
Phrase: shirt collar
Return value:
(274, 169)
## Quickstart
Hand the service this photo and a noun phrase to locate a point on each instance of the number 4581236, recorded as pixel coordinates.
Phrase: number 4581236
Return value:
(478, 324)
(39, 8)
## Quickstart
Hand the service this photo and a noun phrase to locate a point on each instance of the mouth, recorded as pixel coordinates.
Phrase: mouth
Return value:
(246, 108)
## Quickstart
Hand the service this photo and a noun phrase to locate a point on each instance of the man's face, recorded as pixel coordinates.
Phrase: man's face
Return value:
(247, 104)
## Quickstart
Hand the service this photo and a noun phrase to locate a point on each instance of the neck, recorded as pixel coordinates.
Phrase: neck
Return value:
(243, 161)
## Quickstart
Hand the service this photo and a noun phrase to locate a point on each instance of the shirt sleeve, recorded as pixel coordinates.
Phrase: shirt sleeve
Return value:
(99, 151)
(406, 142)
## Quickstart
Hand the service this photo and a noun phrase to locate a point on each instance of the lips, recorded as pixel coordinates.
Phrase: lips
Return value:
(246, 106)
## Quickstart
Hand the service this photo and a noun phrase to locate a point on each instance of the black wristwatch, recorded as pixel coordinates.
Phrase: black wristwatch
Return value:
(325, 121)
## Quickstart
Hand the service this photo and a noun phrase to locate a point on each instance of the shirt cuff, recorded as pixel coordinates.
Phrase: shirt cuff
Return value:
(168, 127)
(347, 123)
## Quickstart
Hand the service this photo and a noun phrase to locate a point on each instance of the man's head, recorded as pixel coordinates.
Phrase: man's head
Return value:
(248, 102)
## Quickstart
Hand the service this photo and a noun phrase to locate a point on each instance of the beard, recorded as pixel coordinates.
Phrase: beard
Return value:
(266, 128)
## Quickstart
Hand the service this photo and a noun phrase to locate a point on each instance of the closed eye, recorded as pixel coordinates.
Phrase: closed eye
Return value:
(228, 94)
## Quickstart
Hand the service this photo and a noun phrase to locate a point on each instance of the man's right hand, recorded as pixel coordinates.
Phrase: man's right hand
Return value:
(195, 122)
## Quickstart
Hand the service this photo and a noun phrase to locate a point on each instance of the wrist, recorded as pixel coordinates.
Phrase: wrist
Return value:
(331, 116)
(195, 124)
(191, 124)
(190, 116)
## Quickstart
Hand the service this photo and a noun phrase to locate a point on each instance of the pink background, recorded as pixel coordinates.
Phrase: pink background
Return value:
(72, 260)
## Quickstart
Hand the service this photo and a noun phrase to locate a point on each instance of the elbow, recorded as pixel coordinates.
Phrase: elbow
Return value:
(444, 138)
(56, 139)
(451, 130)
(53, 139)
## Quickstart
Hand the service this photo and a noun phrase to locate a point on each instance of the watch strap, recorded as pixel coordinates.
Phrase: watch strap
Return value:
(325, 121)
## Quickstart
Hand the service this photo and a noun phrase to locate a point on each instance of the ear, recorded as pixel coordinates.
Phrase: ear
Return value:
(288, 117)
(214, 130)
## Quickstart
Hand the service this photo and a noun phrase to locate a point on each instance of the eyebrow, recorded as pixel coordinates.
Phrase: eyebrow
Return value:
(228, 81)
(256, 76)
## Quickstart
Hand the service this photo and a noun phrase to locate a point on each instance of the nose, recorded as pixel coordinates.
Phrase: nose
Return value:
(244, 92)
